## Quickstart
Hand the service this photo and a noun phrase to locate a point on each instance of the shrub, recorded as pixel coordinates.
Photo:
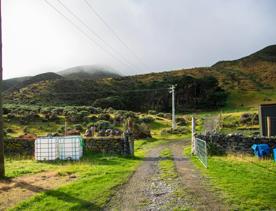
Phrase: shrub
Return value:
(105, 117)
(78, 127)
(177, 131)
(51, 117)
(181, 121)
(9, 130)
(146, 119)
(115, 102)
(141, 131)
(165, 115)
(152, 112)
(30, 117)
(11, 116)
(249, 118)
(26, 129)
(61, 130)
(103, 125)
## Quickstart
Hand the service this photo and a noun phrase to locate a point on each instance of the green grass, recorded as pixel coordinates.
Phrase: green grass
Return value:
(19, 167)
(97, 177)
(246, 182)
(244, 100)
(166, 165)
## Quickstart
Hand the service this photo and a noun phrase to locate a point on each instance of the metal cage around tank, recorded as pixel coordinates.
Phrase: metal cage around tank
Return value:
(63, 148)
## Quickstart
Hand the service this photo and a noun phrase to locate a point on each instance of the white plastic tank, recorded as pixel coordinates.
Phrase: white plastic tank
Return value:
(46, 148)
(70, 147)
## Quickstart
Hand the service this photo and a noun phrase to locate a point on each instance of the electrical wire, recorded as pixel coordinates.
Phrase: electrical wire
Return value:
(81, 31)
(94, 33)
(113, 31)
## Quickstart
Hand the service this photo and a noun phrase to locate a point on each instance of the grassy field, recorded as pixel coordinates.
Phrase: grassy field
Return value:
(244, 100)
(246, 183)
(97, 175)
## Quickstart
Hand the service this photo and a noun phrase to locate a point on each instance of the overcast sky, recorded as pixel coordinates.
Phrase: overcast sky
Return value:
(160, 34)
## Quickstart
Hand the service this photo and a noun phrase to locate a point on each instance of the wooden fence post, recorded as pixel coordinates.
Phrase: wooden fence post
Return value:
(268, 123)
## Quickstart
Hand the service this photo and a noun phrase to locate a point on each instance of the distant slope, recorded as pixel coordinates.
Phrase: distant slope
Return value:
(254, 72)
(10, 83)
(88, 73)
(36, 79)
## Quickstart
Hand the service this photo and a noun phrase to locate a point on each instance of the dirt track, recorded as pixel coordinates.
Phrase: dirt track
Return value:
(146, 191)
(16, 190)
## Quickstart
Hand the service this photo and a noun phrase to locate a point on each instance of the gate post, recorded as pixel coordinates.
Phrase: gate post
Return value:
(193, 135)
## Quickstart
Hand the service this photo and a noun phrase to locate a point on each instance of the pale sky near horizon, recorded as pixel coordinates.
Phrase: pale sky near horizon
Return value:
(164, 34)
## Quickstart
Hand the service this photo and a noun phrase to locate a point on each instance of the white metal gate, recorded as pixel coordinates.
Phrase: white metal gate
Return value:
(201, 151)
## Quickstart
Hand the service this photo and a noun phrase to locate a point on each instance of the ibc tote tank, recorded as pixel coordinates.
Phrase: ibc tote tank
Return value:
(46, 148)
(70, 147)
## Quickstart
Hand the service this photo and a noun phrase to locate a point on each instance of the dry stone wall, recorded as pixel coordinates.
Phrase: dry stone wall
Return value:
(105, 145)
(229, 144)
(17, 147)
(25, 147)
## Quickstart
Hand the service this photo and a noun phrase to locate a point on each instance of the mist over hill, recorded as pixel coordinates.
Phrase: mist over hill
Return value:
(89, 72)
(75, 73)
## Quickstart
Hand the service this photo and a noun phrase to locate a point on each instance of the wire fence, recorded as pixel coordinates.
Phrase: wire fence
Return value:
(201, 151)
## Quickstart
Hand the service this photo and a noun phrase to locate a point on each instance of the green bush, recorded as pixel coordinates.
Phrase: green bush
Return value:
(181, 121)
(249, 119)
(177, 131)
(152, 112)
(146, 119)
(141, 131)
(105, 117)
(78, 127)
(103, 125)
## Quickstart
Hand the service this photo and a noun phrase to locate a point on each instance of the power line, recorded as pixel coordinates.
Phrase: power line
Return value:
(93, 32)
(113, 31)
(82, 31)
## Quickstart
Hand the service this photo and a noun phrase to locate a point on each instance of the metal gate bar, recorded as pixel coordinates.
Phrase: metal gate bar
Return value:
(201, 151)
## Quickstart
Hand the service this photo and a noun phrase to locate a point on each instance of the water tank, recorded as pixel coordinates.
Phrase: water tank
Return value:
(70, 147)
(63, 148)
(46, 148)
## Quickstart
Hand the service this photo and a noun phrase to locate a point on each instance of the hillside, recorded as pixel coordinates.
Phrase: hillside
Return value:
(35, 79)
(88, 73)
(10, 83)
(253, 76)
(252, 73)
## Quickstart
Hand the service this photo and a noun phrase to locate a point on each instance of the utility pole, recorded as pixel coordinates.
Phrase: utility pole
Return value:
(2, 162)
(65, 126)
(172, 91)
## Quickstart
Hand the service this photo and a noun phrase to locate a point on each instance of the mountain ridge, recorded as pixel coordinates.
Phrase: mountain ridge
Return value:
(255, 72)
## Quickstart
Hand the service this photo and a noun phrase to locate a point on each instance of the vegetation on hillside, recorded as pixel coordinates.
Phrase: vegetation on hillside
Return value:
(254, 75)
(125, 93)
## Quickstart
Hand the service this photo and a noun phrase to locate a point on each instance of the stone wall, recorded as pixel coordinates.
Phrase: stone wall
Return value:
(15, 147)
(229, 144)
(105, 145)
(25, 147)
